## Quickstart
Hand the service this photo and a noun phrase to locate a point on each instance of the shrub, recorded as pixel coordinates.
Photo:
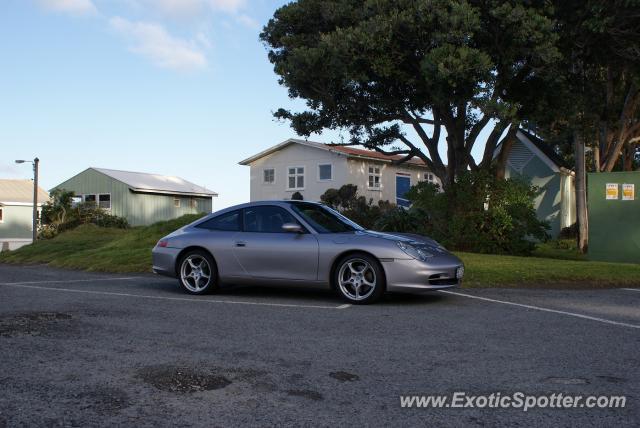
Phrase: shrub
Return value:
(480, 213)
(60, 214)
(357, 208)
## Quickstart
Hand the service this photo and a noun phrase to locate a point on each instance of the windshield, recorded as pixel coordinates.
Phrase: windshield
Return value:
(324, 219)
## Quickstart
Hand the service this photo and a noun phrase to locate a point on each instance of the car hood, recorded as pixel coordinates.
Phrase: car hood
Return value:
(410, 238)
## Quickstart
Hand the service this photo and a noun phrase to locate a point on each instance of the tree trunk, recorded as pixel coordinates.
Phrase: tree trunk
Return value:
(581, 193)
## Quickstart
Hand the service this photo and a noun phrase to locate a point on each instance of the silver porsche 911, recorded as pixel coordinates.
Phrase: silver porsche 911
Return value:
(301, 243)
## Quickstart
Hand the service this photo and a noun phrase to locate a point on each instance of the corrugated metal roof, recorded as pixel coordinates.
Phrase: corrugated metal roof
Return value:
(155, 183)
(21, 192)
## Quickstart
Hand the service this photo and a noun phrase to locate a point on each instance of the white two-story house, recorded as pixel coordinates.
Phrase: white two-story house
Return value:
(312, 168)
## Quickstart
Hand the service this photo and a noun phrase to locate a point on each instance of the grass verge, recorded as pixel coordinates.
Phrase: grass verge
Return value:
(115, 250)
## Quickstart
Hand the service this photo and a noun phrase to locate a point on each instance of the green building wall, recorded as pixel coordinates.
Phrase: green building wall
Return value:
(548, 203)
(614, 224)
(138, 208)
(17, 221)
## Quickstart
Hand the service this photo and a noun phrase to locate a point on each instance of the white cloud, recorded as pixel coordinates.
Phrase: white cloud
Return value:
(248, 21)
(73, 7)
(152, 41)
(231, 6)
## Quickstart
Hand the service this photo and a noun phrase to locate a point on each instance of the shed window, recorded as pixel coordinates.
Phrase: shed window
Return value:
(193, 203)
(296, 178)
(374, 177)
(91, 199)
(104, 201)
(325, 172)
(1, 215)
(269, 176)
(176, 202)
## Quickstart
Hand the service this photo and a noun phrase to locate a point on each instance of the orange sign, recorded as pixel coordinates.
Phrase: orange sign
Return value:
(612, 190)
(628, 192)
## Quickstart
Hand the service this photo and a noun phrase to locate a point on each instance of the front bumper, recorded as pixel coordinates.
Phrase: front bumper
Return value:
(437, 273)
(164, 260)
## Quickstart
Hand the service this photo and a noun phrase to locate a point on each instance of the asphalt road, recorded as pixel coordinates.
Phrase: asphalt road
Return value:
(81, 349)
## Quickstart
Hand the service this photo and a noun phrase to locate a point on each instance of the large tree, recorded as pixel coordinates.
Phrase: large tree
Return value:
(378, 68)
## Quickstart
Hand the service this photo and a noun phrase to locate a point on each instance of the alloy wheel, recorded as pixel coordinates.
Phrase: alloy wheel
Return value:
(357, 279)
(195, 273)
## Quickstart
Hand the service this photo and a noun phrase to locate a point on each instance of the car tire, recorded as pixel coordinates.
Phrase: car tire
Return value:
(359, 279)
(197, 272)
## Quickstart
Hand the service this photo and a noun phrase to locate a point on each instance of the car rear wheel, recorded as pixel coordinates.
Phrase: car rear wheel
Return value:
(359, 279)
(197, 272)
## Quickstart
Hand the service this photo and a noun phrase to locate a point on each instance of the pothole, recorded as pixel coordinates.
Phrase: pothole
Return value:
(567, 380)
(30, 323)
(344, 376)
(182, 379)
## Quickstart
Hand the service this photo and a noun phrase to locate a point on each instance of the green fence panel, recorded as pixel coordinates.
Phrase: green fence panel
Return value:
(614, 216)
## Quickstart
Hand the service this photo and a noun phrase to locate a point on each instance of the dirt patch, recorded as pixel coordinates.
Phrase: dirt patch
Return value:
(344, 376)
(306, 393)
(32, 323)
(182, 379)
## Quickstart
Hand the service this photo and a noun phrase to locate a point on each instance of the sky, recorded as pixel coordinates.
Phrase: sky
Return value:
(172, 87)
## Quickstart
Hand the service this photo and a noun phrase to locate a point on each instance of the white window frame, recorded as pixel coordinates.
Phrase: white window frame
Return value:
(296, 175)
(374, 174)
(269, 183)
(325, 179)
(1, 214)
(177, 202)
(193, 203)
(98, 201)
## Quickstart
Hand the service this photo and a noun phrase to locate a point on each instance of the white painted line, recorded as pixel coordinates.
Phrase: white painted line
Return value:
(348, 305)
(180, 299)
(129, 278)
(631, 289)
(538, 308)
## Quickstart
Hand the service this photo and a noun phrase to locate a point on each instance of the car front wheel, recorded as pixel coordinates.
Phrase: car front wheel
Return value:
(197, 272)
(359, 279)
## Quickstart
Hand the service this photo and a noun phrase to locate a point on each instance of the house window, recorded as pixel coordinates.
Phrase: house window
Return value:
(176, 202)
(296, 178)
(1, 215)
(269, 176)
(429, 177)
(193, 203)
(374, 177)
(91, 199)
(104, 201)
(325, 172)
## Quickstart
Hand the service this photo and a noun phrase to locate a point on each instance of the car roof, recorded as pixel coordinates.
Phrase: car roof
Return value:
(280, 203)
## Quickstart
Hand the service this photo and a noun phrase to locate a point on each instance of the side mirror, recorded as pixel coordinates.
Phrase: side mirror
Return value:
(292, 228)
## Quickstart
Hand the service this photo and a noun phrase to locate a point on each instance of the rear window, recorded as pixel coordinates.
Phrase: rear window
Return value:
(229, 222)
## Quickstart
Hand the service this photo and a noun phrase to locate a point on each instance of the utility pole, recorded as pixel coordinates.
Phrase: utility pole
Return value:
(34, 224)
(36, 161)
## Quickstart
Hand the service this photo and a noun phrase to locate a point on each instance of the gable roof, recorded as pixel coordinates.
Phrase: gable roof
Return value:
(542, 150)
(348, 151)
(154, 183)
(20, 192)
(546, 149)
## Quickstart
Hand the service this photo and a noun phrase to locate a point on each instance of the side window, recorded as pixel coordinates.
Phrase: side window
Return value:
(229, 222)
(266, 219)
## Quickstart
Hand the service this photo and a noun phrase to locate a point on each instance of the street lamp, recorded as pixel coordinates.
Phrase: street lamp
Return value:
(35, 163)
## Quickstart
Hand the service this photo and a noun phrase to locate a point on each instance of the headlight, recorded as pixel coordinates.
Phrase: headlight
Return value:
(413, 251)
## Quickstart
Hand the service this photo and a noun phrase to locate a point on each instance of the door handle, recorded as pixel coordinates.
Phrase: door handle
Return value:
(241, 244)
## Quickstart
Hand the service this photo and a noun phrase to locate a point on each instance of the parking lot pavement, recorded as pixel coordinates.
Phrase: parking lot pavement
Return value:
(96, 349)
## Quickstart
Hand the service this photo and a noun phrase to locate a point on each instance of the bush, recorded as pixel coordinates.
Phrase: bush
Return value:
(357, 208)
(480, 213)
(60, 214)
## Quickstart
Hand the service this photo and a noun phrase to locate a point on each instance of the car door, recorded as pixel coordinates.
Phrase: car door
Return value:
(218, 235)
(266, 251)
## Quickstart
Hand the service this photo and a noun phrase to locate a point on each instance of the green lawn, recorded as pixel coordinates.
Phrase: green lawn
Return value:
(556, 263)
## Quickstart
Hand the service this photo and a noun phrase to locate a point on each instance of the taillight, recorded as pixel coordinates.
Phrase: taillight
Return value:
(163, 243)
